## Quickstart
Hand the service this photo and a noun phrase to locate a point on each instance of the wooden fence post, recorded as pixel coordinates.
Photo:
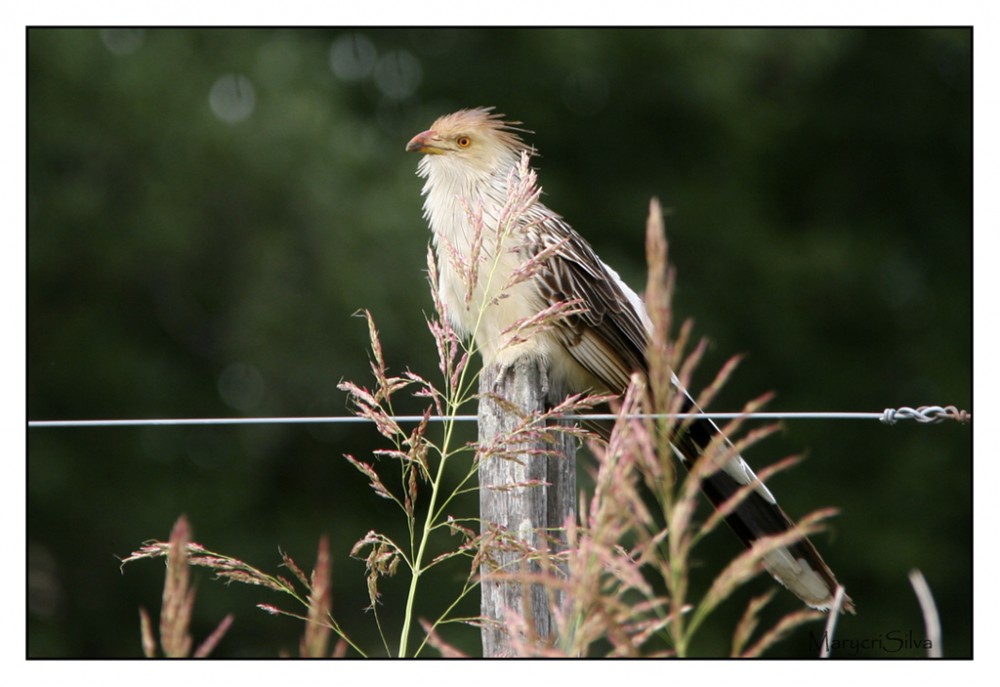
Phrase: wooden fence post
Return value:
(534, 513)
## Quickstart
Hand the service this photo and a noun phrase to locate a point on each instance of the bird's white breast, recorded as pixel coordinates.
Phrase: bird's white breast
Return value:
(455, 197)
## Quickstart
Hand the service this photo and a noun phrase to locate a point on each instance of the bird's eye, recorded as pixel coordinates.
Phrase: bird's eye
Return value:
(463, 141)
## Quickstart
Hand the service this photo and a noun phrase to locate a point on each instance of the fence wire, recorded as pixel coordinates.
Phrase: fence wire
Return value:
(889, 416)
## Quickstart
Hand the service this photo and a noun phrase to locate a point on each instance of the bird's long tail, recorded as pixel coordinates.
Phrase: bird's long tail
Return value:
(797, 565)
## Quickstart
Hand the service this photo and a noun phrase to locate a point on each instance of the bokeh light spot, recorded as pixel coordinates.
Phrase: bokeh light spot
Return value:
(352, 56)
(232, 98)
(123, 42)
(398, 74)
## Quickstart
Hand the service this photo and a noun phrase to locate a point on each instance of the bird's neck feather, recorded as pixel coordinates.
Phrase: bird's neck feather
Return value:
(454, 189)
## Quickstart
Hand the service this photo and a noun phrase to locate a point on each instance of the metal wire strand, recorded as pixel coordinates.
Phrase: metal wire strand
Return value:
(930, 415)
(889, 416)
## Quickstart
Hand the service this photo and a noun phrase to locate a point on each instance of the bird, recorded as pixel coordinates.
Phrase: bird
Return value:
(469, 157)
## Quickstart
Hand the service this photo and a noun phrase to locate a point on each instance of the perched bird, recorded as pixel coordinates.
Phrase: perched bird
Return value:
(469, 159)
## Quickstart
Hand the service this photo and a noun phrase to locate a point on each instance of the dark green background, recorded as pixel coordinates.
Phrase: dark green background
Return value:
(187, 259)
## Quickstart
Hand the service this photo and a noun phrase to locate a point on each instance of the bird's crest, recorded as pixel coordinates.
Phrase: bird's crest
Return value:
(484, 118)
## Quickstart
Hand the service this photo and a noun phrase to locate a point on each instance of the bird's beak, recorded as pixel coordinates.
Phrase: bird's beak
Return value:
(424, 143)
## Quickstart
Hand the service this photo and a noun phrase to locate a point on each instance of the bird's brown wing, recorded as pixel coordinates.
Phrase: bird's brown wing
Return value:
(609, 340)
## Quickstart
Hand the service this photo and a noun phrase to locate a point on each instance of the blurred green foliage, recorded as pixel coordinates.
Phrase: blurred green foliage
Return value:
(208, 208)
